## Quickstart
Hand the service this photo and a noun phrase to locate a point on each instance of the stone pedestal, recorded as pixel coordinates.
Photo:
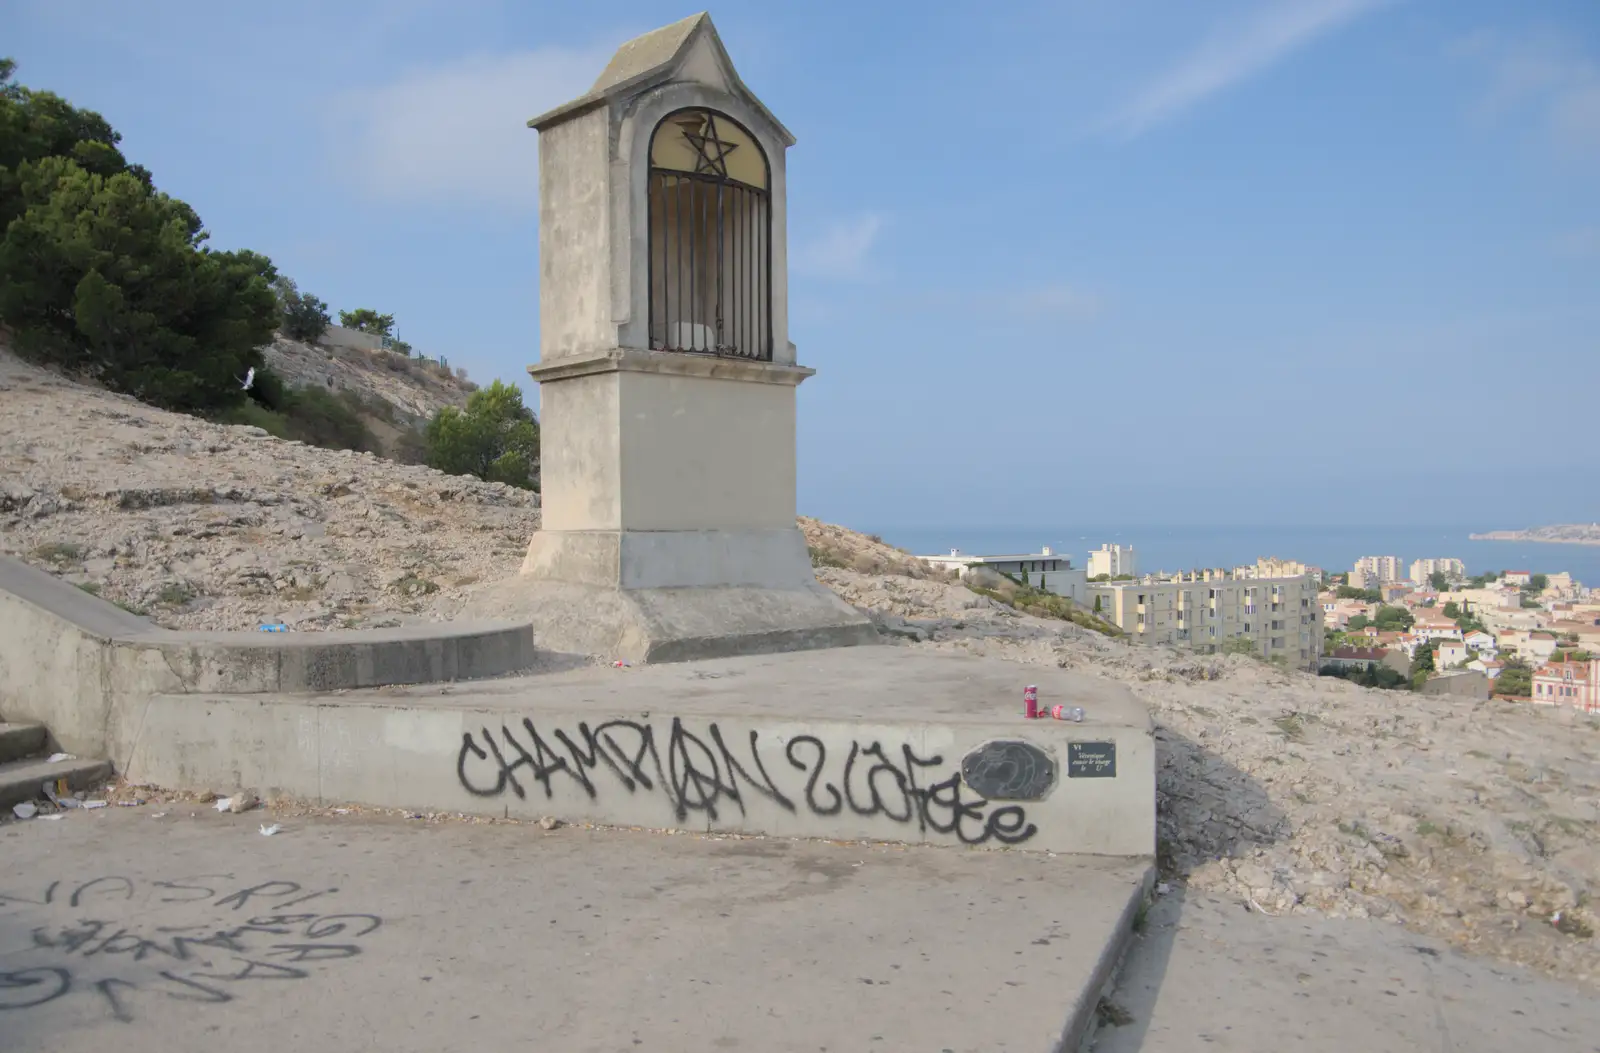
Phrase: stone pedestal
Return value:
(667, 379)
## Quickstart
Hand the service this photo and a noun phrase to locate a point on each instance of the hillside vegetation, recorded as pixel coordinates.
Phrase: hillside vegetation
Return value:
(109, 279)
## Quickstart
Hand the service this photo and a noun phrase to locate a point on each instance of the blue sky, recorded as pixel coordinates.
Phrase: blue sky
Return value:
(1066, 262)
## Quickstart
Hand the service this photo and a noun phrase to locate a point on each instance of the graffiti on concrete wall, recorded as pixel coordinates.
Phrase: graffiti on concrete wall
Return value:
(203, 939)
(707, 774)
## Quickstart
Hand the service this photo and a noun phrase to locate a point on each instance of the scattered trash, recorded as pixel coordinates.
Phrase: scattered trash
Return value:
(158, 815)
(1163, 888)
(413, 815)
(25, 810)
(57, 758)
(1259, 908)
(1067, 713)
(1030, 701)
(93, 804)
(268, 831)
(136, 802)
(54, 815)
(206, 797)
(278, 628)
(620, 663)
(224, 804)
(341, 811)
(550, 822)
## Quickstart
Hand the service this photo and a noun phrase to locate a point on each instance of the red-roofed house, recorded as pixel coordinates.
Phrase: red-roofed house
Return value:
(1365, 658)
(1436, 629)
(1449, 654)
(1574, 684)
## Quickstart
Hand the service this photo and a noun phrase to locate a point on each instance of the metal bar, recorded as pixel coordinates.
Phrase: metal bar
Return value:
(657, 218)
(739, 228)
(720, 341)
(681, 246)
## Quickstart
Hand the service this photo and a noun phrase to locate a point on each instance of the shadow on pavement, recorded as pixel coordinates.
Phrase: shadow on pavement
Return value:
(1206, 810)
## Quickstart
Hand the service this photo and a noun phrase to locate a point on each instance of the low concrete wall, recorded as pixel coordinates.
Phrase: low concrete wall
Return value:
(339, 336)
(1467, 683)
(85, 668)
(771, 744)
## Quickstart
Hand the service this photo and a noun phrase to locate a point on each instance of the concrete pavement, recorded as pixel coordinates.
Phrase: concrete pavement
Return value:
(1208, 975)
(193, 931)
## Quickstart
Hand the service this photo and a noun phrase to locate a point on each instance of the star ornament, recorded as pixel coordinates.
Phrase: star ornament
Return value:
(711, 150)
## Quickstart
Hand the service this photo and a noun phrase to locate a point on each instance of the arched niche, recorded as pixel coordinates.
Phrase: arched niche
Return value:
(710, 237)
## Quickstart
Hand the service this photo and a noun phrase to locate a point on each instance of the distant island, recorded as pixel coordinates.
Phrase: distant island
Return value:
(1561, 534)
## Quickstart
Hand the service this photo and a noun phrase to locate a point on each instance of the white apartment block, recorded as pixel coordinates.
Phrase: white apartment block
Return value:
(1273, 567)
(1422, 569)
(1376, 570)
(1044, 569)
(1112, 560)
(1202, 610)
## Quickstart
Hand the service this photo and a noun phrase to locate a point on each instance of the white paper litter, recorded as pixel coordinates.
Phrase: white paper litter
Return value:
(158, 815)
(341, 811)
(54, 815)
(57, 758)
(94, 804)
(25, 810)
(268, 831)
(224, 803)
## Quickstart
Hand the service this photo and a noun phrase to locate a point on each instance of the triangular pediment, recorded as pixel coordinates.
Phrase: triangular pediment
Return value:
(688, 50)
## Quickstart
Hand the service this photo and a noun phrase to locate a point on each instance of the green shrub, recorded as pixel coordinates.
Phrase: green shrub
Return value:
(305, 317)
(496, 438)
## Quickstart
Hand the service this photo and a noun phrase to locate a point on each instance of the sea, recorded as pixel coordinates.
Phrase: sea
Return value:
(1333, 549)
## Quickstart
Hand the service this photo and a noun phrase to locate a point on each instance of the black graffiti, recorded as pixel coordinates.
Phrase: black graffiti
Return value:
(247, 933)
(703, 774)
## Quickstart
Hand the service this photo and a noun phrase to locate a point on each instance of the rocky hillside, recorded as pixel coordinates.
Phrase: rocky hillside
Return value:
(198, 525)
(1475, 821)
(414, 388)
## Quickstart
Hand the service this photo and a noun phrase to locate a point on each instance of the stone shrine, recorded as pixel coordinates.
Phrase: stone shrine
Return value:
(667, 376)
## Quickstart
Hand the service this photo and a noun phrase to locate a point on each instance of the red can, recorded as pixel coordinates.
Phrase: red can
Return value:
(1030, 701)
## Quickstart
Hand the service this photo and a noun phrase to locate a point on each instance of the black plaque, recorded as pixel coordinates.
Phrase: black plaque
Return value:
(1091, 760)
(1009, 770)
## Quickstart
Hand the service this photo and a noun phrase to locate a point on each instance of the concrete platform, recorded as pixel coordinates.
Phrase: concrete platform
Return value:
(122, 931)
(77, 664)
(882, 743)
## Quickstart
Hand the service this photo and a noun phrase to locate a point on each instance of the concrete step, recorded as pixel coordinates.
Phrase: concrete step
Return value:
(23, 780)
(20, 740)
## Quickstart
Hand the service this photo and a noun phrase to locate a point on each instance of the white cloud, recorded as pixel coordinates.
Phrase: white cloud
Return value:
(1234, 54)
(841, 251)
(458, 133)
(1545, 75)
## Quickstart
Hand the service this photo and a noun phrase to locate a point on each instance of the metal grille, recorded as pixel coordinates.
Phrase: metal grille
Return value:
(710, 265)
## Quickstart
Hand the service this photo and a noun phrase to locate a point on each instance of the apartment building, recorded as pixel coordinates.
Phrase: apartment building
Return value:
(1422, 569)
(1281, 617)
(1575, 684)
(1045, 569)
(1273, 567)
(1112, 560)
(1373, 571)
